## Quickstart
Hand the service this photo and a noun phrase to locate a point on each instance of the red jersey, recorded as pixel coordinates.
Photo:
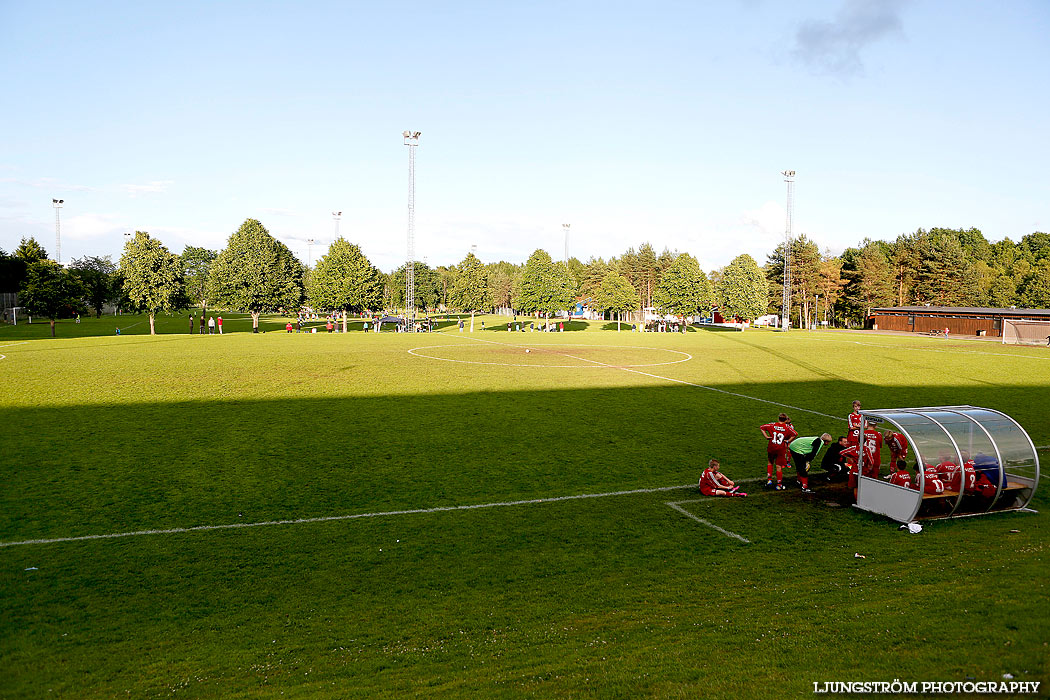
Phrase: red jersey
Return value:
(853, 423)
(712, 480)
(901, 478)
(780, 434)
(958, 478)
(872, 450)
(931, 481)
(898, 445)
(850, 455)
(983, 487)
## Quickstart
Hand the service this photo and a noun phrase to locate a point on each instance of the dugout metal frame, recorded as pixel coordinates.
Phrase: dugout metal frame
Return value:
(939, 433)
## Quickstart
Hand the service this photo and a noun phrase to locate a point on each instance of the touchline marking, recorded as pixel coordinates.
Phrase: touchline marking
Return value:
(683, 511)
(332, 518)
(677, 381)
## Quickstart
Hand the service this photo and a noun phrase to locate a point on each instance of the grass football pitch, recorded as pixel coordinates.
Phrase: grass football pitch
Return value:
(292, 520)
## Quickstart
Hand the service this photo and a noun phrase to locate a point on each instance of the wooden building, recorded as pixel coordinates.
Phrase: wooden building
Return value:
(959, 320)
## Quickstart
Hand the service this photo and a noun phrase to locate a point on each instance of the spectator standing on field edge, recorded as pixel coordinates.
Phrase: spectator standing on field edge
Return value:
(220, 325)
(191, 324)
(202, 323)
(211, 325)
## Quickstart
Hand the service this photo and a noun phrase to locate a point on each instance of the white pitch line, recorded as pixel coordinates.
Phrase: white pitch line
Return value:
(683, 511)
(355, 516)
(414, 351)
(11, 345)
(677, 381)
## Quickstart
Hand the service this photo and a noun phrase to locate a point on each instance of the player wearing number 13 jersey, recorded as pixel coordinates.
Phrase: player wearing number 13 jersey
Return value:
(779, 435)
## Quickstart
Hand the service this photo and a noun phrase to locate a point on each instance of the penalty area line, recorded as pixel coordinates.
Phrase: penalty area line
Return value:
(708, 523)
(354, 516)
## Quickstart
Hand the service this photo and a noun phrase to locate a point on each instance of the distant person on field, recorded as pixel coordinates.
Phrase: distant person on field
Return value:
(328, 325)
(288, 327)
(779, 434)
(211, 325)
(460, 325)
(803, 451)
(191, 324)
(715, 483)
(220, 325)
(202, 323)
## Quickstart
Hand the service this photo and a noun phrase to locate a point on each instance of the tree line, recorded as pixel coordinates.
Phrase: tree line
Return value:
(257, 273)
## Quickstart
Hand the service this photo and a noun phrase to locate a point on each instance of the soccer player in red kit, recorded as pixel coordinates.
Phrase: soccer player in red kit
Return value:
(715, 483)
(901, 477)
(898, 445)
(854, 421)
(779, 435)
(931, 480)
(872, 451)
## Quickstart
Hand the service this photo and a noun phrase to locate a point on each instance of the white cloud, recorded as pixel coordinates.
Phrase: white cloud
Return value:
(152, 187)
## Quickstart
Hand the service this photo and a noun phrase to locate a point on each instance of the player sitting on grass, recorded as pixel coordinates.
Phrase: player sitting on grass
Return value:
(715, 483)
(779, 434)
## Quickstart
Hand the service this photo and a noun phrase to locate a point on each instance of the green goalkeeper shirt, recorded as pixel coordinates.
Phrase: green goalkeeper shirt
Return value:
(804, 445)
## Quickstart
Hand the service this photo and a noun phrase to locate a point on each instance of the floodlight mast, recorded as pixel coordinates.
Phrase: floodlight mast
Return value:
(785, 313)
(57, 204)
(336, 215)
(565, 227)
(411, 140)
(309, 252)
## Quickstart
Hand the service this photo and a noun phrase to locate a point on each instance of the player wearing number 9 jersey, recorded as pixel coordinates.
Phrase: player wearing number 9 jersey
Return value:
(779, 434)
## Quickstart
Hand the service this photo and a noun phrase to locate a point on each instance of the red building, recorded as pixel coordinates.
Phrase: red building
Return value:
(959, 320)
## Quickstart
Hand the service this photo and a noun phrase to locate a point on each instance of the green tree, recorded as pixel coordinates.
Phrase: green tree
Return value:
(1035, 291)
(12, 272)
(48, 290)
(742, 290)
(684, 289)
(544, 287)
(648, 273)
(470, 291)
(591, 279)
(869, 280)
(152, 277)
(29, 251)
(1003, 292)
(256, 273)
(96, 275)
(196, 268)
(426, 287)
(616, 296)
(345, 279)
(947, 277)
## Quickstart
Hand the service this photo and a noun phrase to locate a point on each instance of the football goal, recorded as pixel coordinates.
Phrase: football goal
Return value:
(1025, 332)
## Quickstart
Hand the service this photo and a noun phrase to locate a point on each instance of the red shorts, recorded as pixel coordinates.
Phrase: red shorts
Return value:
(779, 458)
(708, 490)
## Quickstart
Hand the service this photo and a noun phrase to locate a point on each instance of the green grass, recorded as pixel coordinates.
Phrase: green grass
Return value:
(607, 597)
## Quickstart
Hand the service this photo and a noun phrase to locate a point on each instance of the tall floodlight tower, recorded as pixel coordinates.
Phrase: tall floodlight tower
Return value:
(785, 313)
(565, 227)
(57, 204)
(411, 140)
(336, 215)
(309, 252)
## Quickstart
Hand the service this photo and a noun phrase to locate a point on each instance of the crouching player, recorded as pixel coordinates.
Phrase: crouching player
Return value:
(715, 483)
(931, 480)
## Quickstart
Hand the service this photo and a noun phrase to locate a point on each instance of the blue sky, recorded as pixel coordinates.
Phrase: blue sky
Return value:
(657, 121)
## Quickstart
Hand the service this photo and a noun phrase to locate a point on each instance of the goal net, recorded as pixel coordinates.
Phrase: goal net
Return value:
(1020, 332)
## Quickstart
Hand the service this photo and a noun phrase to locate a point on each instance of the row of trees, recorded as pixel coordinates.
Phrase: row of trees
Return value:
(939, 267)
(256, 272)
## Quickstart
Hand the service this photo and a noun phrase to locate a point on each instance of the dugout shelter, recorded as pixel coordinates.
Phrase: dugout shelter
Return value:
(992, 445)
